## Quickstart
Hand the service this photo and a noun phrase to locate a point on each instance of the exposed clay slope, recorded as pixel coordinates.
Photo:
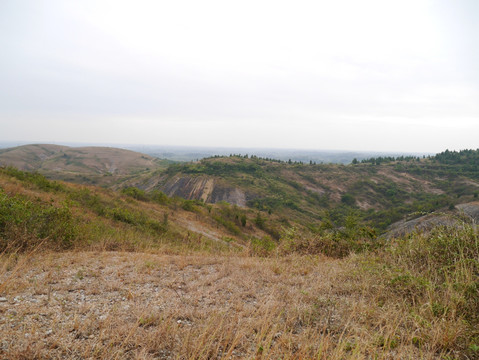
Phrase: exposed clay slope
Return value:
(470, 209)
(462, 212)
(208, 189)
(421, 224)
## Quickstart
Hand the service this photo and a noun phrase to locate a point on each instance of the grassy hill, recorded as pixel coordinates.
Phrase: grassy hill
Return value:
(93, 165)
(72, 215)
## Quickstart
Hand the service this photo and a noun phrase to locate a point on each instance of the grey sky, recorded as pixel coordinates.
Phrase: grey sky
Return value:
(360, 75)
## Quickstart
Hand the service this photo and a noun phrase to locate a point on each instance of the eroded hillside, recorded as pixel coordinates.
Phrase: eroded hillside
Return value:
(309, 193)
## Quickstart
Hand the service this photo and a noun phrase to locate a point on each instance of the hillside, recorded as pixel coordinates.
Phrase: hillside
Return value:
(94, 165)
(128, 218)
(87, 272)
(377, 192)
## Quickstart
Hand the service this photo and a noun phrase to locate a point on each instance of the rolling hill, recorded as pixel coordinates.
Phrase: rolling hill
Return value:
(94, 165)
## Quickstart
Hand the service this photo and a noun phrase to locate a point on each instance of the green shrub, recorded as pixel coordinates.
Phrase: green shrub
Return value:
(124, 215)
(93, 202)
(243, 220)
(135, 193)
(259, 221)
(159, 197)
(348, 199)
(35, 179)
(25, 224)
(188, 205)
(229, 225)
(263, 246)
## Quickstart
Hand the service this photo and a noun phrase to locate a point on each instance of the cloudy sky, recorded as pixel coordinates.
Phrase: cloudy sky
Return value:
(353, 75)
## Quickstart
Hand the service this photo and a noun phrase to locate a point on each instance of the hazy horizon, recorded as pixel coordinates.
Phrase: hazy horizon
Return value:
(193, 153)
(368, 76)
(12, 143)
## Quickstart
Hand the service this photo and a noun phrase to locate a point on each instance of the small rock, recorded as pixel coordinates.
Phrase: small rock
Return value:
(49, 332)
(3, 299)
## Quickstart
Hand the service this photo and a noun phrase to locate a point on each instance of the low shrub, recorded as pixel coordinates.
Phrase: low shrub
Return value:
(25, 224)
(135, 193)
(35, 179)
(435, 276)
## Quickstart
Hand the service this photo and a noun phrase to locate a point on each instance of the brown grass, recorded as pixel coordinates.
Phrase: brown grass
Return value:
(116, 305)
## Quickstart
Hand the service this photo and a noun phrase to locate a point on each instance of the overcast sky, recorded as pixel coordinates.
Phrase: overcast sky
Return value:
(354, 75)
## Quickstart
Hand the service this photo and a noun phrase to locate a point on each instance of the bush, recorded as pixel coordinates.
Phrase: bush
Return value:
(348, 199)
(159, 197)
(25, 224)
(35, 179)
(188, 205)
(93, 202)
(259, 221)
(229, 225)
(135, 193)
(263, 246)
(327, 242)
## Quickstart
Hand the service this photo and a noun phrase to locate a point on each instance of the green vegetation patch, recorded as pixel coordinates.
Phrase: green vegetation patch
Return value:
(26, 224)
(33, 179)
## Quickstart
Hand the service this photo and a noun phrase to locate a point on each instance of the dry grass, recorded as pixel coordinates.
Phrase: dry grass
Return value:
(117, 305)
